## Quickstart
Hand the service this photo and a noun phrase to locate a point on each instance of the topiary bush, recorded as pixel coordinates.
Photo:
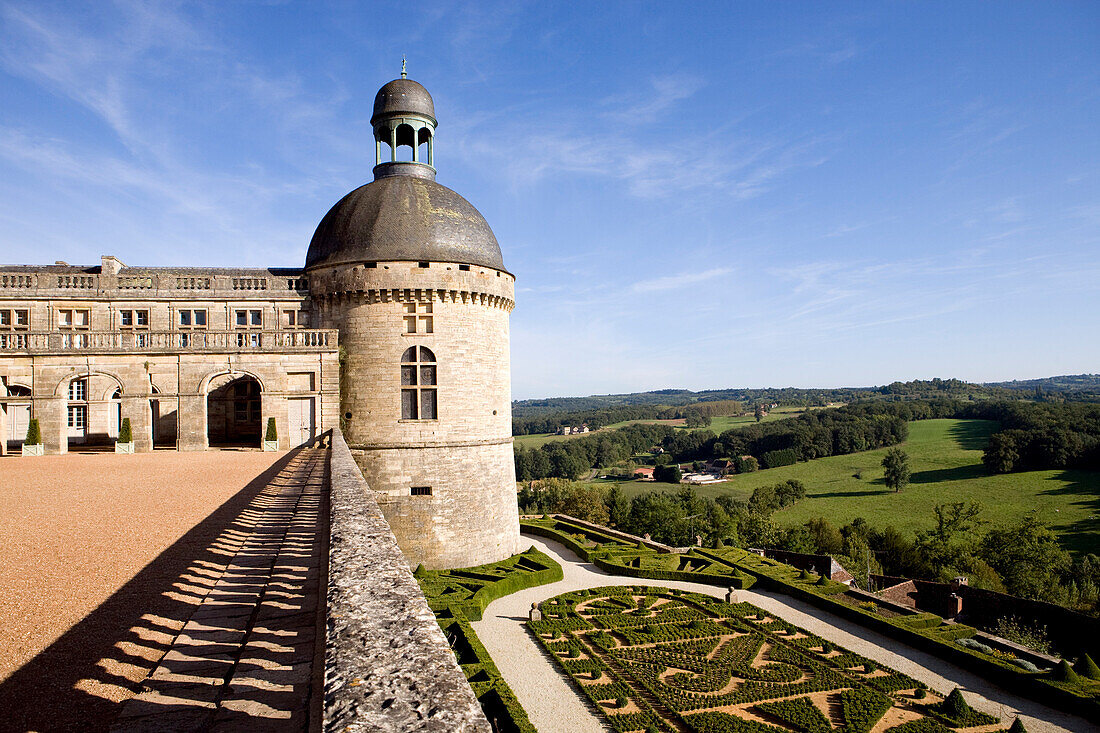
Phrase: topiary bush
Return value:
(271, 435)
(125, 433)
(34, 433)
(1064, 673)
(1087, 668)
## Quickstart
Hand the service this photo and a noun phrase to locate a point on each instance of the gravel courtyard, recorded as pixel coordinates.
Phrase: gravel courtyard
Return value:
(96, 545)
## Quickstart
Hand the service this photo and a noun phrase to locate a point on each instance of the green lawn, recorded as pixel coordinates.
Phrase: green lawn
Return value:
(945, 456)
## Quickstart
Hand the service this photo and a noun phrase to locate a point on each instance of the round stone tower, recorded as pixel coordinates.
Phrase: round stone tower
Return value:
(412, 276)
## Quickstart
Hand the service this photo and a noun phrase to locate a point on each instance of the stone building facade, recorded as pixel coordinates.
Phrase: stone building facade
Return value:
(193, 357)
(396, 329)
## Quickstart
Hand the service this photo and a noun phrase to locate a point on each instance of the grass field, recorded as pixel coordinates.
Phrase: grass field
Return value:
(717, 426)
(945, 456)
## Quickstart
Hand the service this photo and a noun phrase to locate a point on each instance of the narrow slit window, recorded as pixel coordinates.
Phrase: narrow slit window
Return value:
(421, 491)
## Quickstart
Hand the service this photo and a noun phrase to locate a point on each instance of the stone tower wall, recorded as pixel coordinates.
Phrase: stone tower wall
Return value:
(465, 454)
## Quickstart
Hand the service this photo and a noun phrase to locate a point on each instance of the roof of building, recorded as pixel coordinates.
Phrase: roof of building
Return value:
(404, 218)
(403, 96)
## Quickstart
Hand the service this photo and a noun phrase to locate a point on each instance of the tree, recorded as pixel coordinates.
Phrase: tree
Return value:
(586, 502)
(618, 506)
(758, 413)
(695, 419)
(658, 514)
(827, 538)
(669, 474)
(1001, 454)
(1029, 558)
(745, 464)
(896, 463)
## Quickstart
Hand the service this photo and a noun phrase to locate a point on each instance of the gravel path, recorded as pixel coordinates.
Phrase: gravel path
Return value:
(101, 554)
(555, 707)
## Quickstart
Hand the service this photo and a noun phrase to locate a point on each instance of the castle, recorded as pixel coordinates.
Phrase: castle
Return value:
(396, 330)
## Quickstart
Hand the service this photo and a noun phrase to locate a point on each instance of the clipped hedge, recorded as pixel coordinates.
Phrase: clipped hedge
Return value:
(496, 580)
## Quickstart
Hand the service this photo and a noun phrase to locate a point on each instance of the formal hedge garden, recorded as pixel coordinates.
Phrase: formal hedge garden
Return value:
(460, 596)
(660, 659)
(737, 568)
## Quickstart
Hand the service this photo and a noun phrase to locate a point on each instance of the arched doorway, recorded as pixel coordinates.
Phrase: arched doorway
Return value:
(91, 410)
(233, 411)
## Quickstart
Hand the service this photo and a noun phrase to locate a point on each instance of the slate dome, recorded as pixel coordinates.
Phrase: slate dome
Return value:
(404, 218)
(403, 96)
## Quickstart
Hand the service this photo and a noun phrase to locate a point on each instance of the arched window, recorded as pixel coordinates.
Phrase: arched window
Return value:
(418, 384)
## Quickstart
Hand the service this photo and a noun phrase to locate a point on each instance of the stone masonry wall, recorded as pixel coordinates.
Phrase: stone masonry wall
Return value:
(464, 454)
(388, 666)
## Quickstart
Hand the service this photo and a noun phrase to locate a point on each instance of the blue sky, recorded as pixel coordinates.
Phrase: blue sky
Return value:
(696, 195)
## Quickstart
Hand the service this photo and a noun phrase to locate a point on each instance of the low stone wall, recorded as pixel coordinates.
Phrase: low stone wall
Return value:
(388, 666)
(632, 538)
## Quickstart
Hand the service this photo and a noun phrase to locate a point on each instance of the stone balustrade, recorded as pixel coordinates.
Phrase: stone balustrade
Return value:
(198, 341)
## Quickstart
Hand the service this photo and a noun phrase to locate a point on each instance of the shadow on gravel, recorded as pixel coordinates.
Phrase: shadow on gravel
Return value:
(69, 685)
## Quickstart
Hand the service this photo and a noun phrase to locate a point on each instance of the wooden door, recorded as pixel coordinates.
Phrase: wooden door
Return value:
(301, 420)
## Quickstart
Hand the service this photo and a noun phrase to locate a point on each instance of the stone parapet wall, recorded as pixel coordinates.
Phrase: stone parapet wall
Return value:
(388, 666)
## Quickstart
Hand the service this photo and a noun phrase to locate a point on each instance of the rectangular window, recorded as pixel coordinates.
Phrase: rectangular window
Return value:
(191, 318)
(427, 374)
(250, 318)
(14, 319)
(464, 268)
(418, 318)
(78, 417)
(133, 318)
(69, 318)
(408, 374)
(421, 491)
(78, 390)
(427, 404)
(295, 319)
(408, 404)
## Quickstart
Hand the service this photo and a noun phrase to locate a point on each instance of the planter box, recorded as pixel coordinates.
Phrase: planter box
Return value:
(33, 450)
(124, 447)
(271, 445)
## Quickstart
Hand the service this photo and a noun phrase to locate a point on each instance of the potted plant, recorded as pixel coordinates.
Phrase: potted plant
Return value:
(271, 438)
(125, 442)
(32, 446)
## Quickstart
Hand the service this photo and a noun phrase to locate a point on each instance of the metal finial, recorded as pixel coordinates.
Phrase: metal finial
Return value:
(404, 75)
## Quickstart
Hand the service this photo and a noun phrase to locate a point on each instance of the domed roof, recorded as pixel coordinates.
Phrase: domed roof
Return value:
(403, 96)
(404, 217)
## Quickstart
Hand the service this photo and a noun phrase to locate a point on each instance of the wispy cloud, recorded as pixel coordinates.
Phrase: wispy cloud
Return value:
(632, 108)
(673, 282)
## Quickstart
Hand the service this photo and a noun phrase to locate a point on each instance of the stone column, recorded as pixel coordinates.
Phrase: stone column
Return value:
(53, 420)
(141, 424)
(191, 422)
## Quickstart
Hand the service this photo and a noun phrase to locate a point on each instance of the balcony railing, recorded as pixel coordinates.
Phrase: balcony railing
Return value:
(113, 342)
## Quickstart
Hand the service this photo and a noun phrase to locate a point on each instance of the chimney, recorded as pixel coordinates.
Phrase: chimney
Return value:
(110, 265)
